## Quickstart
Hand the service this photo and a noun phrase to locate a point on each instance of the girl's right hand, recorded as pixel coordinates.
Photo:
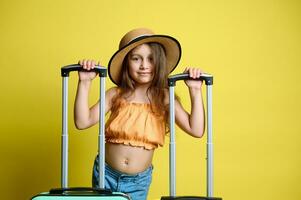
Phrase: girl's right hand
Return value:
(87, 65)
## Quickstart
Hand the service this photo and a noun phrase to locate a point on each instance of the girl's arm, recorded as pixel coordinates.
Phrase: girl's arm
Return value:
(85, 117)
(193, 123)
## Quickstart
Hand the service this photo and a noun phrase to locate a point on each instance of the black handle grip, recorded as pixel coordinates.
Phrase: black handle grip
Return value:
(102, 71)
(58, 191)
(208, 78)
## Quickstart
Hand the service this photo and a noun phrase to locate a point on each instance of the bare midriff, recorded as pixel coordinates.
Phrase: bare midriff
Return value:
(128, 159)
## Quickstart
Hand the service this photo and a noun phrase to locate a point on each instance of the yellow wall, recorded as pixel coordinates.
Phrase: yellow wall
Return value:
(251, 47)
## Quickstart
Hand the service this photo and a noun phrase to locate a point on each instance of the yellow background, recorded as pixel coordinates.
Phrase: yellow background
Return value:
(252, 47)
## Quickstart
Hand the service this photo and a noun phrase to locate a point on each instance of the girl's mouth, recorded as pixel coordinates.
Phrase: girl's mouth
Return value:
(144, 73)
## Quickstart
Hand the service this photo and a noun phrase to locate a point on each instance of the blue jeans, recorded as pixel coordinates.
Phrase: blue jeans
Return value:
(136, 186)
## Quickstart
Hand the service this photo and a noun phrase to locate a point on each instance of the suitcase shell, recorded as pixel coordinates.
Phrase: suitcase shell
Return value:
(172, 144)
(80, 193)
(66, 193)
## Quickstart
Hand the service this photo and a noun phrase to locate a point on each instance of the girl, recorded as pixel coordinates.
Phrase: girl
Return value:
(138, 107)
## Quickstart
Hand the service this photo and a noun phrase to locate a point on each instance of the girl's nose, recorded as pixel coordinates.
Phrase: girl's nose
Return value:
(145, 64)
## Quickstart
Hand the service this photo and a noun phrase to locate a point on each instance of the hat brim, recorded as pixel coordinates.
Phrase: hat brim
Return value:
(171, 46)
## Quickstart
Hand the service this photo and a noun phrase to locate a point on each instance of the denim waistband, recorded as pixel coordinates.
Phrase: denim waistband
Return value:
(117, 174)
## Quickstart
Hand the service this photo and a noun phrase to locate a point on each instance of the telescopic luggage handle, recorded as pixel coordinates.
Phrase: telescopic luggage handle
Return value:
(102, 71)
(208, 78)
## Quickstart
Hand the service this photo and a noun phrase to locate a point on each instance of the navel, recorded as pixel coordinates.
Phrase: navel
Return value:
(126, 161)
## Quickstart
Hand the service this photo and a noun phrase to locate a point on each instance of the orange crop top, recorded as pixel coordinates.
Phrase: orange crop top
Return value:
(135, 124)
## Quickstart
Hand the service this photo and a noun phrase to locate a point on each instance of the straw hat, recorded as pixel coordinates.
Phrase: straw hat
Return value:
(137, 37)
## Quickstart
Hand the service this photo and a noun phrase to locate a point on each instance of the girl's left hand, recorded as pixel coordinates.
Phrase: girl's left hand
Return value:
(194, 73)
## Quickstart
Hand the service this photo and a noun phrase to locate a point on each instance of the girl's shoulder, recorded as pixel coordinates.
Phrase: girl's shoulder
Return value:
(166, 97)
(112, 92)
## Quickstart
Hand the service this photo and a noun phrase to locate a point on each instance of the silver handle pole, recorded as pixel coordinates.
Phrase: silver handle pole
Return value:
(208, 78)
(64, 151)
(101, 149)
(172, 144)
(209, 143)
(101, 136)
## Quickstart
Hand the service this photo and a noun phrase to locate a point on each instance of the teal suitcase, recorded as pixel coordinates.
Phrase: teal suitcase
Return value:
(82, 193)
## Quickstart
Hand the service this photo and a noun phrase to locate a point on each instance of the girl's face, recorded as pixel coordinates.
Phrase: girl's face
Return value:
(141, 64)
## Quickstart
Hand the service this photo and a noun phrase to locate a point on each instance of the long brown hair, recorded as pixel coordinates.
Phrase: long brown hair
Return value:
(156, 91)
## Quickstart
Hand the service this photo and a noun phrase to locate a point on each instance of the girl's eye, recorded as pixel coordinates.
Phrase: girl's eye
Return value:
(135, 58)
(151, 60)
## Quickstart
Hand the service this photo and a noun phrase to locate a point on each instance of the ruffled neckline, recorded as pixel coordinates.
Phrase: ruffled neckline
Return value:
(125, 102)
